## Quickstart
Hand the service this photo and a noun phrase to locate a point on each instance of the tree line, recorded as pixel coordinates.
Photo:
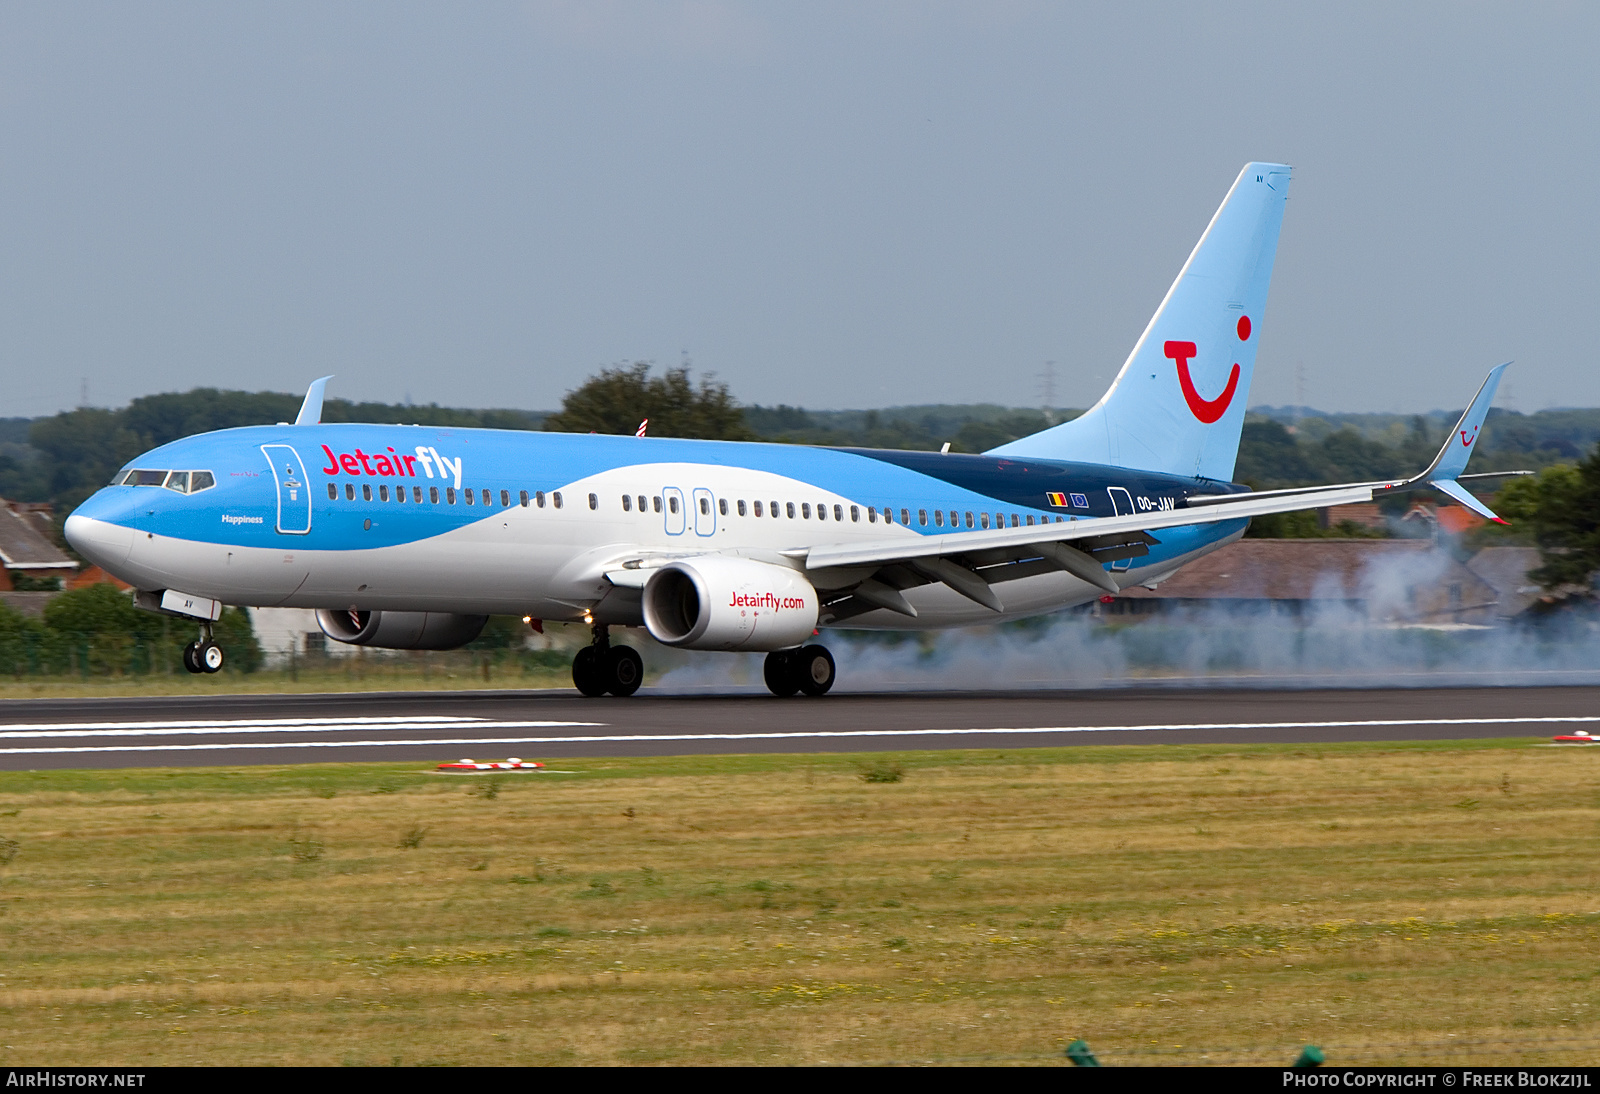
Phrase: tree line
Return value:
(65, 457)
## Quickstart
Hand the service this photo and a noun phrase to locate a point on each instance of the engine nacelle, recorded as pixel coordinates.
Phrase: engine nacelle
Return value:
(401, 630)
(715, 603)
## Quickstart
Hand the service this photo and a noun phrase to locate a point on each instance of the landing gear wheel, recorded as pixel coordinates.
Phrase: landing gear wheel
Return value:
(624, 671)
(779, 671)
(210, 657)
(814, 670)
(191, 657)
(588, 673)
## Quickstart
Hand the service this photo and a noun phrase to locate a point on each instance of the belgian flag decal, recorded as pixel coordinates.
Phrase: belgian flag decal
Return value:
(1058, 500)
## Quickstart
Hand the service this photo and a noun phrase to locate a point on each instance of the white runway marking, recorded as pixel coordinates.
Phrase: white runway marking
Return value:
(264, 725)
(332, 725)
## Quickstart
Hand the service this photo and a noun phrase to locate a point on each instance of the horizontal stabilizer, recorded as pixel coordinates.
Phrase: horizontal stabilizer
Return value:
(1464, 496)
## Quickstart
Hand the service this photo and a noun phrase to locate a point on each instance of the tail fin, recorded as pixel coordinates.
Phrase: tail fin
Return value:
(1178, 404)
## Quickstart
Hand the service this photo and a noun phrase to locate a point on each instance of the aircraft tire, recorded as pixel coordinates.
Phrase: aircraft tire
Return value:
(588, 673)
(191, 657)
(624, 671)
(780, 673)
(210, 656)
(814, 669)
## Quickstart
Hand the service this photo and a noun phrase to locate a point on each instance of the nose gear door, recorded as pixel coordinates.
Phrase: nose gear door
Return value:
(294, 492)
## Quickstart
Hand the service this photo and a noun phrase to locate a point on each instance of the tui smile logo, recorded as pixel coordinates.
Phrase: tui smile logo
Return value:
(1466, 441)
(1206, 410)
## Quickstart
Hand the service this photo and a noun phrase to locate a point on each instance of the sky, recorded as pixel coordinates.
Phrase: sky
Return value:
(832, 205)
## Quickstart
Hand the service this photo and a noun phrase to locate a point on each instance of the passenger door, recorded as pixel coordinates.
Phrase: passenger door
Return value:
(1122, 503)
(294, 491)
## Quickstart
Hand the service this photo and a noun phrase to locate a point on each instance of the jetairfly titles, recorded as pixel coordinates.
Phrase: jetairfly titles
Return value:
(410, 537)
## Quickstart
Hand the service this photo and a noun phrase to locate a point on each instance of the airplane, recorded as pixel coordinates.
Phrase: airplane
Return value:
(409, 537)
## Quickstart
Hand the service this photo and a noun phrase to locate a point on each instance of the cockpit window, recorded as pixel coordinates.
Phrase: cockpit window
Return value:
(183, 482)
(144, 478)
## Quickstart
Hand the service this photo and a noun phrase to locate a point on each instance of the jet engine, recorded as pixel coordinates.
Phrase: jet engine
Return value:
(716, 603)
(401, 630)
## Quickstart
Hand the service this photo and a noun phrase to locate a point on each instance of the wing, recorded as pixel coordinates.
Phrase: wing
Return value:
(858, 577)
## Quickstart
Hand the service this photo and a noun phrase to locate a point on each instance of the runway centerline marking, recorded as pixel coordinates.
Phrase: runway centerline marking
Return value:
(843, 734)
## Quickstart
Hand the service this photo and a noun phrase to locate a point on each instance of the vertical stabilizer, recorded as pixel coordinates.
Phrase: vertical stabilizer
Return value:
(1178, 404)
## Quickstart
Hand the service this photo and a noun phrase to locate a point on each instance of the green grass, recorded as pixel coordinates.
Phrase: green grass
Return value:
(1165, 903)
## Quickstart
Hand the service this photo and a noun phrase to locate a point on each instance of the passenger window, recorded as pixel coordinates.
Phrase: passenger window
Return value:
(983, 520)
(1030, 520)
(349, 491)
(555, 498)
(838, 512)
(741, 507)
(538, 498)
(333, 492)
(969, 518)
(643, 505)
(655, 503)
(486, 500)
(722, 506)
(594, 501)
(855, 515)
(400, 494)
(505, 499)
(449, 495)
(805, 510)
(466, 496)
(433, 494)
(938, 518)
(788, 507)
(1014, 521)
(672, 503)
(416, 494)
(955, 518)
(627, 504)
(366, 491)
(922, 517)
(757, 508)
(905, 517)
(773, 509)
(200, 480)
(705, 507)
(523, 497)
(383, 493)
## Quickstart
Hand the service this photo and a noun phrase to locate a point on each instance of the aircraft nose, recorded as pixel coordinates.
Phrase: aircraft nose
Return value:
(103, 542)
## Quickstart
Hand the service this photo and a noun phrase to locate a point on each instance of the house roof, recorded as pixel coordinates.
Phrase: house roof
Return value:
(1317, 569)
(1506, 569)
(23, 546)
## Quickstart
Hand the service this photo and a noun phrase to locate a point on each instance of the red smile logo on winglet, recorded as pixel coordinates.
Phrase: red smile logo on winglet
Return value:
(1207, 410)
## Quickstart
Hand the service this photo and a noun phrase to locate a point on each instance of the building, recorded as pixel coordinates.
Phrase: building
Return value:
(1380, 580)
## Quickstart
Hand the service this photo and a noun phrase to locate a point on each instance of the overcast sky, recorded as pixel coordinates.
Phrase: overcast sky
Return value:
(832, 205)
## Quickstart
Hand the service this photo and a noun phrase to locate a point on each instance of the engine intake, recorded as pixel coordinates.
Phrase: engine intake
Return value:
(729, 604)
(401, 630)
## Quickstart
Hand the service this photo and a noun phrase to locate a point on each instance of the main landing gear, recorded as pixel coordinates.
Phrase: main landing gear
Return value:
(203, 654)
(601, 667)
(808, 669)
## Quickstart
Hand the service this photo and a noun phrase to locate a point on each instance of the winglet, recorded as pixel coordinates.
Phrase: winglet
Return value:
(1452, 458)
(311, 409)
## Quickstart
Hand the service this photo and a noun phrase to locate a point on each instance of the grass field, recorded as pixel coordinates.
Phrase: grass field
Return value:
(1391, 903)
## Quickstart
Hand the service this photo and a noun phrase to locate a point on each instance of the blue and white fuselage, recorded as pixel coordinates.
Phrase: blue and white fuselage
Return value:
(417, 519)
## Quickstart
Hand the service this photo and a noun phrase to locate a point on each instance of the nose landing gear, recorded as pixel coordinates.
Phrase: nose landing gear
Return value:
(809, 669)
(203, 654)
(601, 667)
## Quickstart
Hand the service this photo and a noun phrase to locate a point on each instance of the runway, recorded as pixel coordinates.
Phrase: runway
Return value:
(436, 726)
